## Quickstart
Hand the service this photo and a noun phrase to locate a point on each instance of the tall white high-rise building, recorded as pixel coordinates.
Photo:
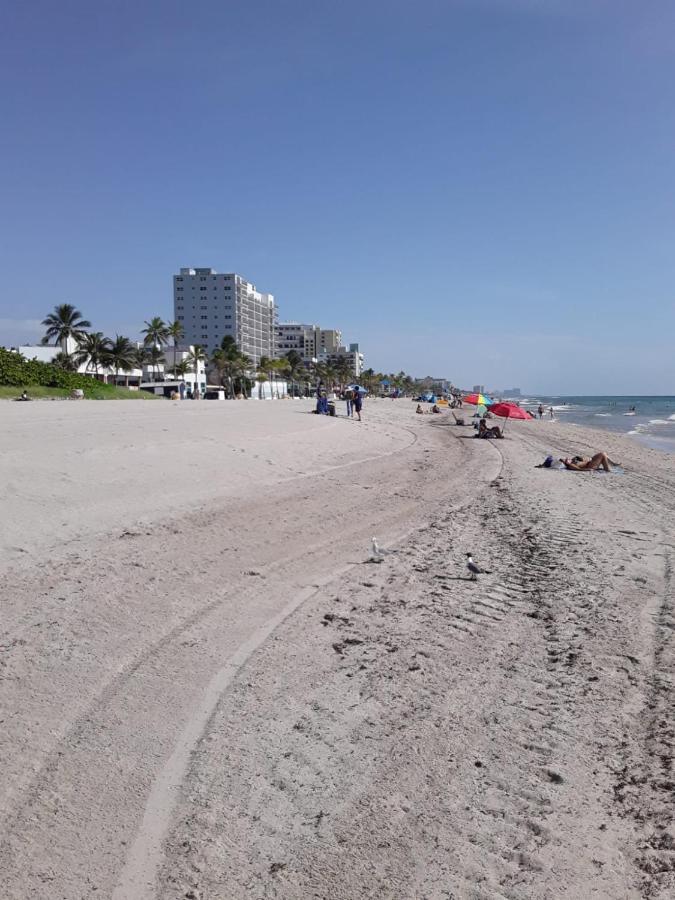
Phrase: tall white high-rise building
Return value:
(210, 305)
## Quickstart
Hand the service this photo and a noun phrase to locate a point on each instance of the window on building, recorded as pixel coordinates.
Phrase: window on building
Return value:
(203, 317)
(180, 318)
(202, 279)
(179, 278)
(202, 288)
(179, 289)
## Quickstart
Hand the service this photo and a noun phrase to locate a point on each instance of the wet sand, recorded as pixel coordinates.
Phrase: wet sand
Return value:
(207, 689)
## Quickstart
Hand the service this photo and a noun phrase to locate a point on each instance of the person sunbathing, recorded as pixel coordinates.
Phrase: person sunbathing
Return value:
(485, 432)
(419, 410)
(582, 464)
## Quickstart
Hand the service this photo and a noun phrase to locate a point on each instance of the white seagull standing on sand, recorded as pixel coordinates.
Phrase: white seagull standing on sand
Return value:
(474, 570)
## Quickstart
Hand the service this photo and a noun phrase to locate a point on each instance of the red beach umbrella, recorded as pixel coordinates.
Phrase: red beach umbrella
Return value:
(508, 411)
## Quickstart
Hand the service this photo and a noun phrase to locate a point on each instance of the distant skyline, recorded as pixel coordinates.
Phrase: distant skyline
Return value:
(479, 189)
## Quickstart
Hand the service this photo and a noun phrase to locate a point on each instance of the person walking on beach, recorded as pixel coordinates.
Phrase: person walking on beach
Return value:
(349, 397)
(541, 411)
(358, 403)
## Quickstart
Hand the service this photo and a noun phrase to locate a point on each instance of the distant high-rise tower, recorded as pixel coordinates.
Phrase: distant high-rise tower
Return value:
(210, 306)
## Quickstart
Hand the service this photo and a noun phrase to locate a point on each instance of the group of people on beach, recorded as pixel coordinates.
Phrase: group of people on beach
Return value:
(325, 407)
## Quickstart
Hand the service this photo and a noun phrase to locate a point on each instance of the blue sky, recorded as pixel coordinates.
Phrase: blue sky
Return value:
(481, 189)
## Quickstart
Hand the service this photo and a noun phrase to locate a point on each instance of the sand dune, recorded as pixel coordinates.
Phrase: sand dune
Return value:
(208, 691)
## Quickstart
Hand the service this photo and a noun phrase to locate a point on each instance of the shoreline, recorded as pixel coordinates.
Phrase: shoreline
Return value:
(403, 730)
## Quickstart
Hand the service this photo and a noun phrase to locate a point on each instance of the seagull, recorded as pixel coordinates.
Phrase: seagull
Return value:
(375, 553)
(474, 570)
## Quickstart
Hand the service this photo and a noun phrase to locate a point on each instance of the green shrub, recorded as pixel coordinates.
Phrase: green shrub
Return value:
(20, 372)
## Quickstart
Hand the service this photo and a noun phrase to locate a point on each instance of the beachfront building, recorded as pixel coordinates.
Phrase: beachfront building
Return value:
(315, 344)
(310, 341)
(353, 356)
(211, 305)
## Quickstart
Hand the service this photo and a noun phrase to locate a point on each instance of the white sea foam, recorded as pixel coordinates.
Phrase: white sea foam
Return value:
(658, 422)
(672, 418)
(604, 415)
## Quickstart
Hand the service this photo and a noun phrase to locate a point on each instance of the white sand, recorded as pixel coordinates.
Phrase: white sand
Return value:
(206, 689)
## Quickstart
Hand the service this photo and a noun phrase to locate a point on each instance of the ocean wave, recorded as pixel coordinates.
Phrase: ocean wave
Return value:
(659, 421)
(604, 415)
(672, 418)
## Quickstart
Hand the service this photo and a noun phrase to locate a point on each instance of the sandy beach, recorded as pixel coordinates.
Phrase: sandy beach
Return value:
(207, 690)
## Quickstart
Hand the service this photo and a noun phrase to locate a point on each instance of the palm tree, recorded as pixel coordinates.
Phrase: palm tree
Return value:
(157, 336)
(266, 366)
(283, 368)
(220, 363)
(93, 350)
(326, 373)
(122, 355)
(139, 357)
(196, 356)
(156, 332)
(155, 357)
(65, 322)
(244, 364)
(343, 371)
(174, 332)
(65, 361)
(230, 363)
(296, 369)
(261, 378)
(181, 369)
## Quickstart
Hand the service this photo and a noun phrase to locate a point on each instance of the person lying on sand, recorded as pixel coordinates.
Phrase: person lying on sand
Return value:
(485, 432)
(581, 464)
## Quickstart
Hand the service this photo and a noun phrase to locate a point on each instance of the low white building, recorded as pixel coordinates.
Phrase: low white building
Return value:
(156, 378)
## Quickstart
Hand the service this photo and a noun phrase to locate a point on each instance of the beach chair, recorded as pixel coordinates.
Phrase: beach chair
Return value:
(458, 419)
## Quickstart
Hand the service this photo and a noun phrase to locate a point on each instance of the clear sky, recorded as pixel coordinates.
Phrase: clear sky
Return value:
(480, 189)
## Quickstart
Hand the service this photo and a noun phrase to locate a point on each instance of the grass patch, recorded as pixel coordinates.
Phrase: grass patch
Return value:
(97, 391)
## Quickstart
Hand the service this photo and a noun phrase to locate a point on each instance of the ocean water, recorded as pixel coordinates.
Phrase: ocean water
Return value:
(653, 423)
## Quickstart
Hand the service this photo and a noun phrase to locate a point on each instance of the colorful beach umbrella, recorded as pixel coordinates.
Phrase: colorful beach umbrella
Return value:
(477, 400)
